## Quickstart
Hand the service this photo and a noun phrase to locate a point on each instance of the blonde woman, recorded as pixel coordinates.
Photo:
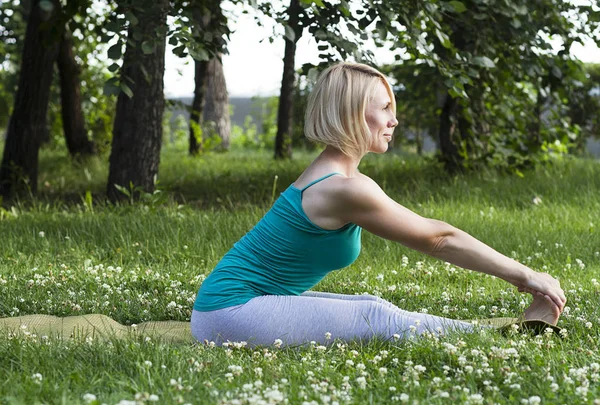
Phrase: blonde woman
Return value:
(258, 292)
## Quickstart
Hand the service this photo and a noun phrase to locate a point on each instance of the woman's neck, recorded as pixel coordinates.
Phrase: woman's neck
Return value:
(345, 164)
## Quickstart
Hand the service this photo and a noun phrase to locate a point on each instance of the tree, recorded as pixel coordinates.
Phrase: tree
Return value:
(323, 20)
(496, 62)
(28, 121)
(283, 141)
(209, 38)
(137, 133)
(216, 109)
(196, 116)
(70, 94)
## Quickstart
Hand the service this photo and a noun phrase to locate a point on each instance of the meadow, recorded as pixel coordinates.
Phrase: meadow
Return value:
(68, 252)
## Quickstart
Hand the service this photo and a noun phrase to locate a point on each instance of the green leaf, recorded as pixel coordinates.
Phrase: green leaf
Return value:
(113, 68)
(458, 6)
(110, 87)
(127, 90)
(199, 54)
(147, 47)
(173, 41)
(115, 51)
(180, 51)
(556, 72)
(132, 18)
(289, 33)
(444, 39)
(123, 190)
(319, 3)
(484, 61)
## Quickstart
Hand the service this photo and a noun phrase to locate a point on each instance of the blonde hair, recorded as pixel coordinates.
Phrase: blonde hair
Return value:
(335, 114)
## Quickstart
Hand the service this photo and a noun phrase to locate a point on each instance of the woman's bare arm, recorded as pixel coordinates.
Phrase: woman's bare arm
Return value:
(361, 201)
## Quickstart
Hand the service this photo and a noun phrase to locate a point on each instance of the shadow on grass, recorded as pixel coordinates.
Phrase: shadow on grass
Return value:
(237, 179)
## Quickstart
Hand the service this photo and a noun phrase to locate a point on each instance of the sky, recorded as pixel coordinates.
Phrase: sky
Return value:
(254, 68)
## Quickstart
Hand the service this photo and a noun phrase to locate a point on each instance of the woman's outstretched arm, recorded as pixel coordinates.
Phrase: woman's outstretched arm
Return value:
(361, 201)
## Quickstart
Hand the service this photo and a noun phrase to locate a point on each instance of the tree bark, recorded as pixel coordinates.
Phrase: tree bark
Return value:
(27, 124)
(216, 110)
(78, 143)
(450, 156)
(196, 116)
(283, 139)
(137, 132)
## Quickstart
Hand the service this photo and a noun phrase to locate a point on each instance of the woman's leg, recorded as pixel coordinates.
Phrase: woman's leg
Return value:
(301, 319)
(348, 297)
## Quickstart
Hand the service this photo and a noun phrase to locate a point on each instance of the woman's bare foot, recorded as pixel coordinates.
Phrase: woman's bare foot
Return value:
(542, 308)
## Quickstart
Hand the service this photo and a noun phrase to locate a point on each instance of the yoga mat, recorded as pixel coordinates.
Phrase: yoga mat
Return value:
(103, 327)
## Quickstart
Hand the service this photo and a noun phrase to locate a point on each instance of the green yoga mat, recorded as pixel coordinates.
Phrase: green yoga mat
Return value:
(104, 328)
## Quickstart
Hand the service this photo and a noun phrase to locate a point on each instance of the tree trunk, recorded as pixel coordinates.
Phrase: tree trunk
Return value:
(450, 156)
(137, 132)
(26, 127)
(283, 139)
(216, 110)
(198, 107)
(70, 97)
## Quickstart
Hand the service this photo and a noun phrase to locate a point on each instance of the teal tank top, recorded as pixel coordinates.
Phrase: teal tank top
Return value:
(284, 254)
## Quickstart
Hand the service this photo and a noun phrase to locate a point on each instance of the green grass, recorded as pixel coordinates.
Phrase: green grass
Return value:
(62, 256)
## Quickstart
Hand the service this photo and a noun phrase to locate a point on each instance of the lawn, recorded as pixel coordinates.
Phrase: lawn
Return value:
(69, 253)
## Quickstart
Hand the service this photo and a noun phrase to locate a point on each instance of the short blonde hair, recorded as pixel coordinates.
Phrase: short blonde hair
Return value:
(335, 114)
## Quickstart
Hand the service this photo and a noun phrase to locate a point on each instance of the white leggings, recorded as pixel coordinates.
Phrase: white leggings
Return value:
(310, 316)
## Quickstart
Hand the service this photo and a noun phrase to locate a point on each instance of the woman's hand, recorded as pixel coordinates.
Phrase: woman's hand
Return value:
(545, 284)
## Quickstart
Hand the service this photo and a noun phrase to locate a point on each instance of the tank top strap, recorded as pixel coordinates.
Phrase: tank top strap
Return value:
(319, 179)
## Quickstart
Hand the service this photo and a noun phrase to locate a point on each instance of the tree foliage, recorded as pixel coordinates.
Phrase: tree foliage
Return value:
(505, 88)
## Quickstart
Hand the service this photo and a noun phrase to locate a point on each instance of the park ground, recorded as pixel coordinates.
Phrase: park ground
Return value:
(68, 252)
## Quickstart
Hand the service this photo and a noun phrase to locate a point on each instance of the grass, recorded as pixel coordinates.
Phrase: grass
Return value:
(61, 255)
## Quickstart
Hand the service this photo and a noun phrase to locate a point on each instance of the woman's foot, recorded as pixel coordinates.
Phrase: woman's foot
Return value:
(542, 308)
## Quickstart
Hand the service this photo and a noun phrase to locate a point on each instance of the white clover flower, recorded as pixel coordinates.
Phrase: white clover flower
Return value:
(349, 363)
(475, 399)
(404, 397)
(383, 371)
(148, 363)
(153, 398)
(534, 400)
(362, 382)
(536, 200)
(588, 325)
(277, 343)
(42, 234)
(327, 335)
(273, 395)
(88, 397)
(392, 389)
(420, 369)
(396, 336)
(37, 378)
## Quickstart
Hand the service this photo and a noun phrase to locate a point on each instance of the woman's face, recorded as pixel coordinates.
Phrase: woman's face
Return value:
(381, 119)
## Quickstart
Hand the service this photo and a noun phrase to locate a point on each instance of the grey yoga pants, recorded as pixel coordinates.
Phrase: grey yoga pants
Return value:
(310, 316)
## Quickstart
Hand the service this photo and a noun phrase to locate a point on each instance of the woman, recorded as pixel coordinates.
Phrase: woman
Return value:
(258, 292)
